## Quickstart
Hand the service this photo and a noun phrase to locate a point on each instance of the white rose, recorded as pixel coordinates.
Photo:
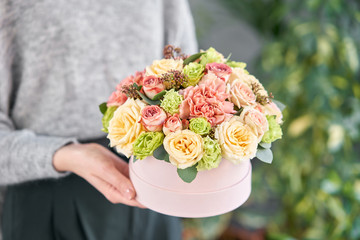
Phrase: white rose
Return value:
(159, 67)
(237, 140)
(255, 120)
(185, 148)
(125, 126)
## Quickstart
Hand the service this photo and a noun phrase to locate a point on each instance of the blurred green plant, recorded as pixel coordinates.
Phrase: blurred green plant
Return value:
(310, 61)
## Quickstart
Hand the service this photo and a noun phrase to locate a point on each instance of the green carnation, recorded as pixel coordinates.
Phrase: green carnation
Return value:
(274, 131)
(212, 155)
(107, 117)
(146, 143)
(194, 72)
(211, 56)
(171, 101)
(200, 126)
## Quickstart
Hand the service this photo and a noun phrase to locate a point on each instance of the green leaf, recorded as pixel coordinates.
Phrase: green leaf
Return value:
(228, 57)
(134, 158)
(148, 100)
(161, 154)
(193, 58)
(264, 155)
(280, 105)
(187, 174)
(265, 145)
(159, 95)
(137, 86)
(103, 107)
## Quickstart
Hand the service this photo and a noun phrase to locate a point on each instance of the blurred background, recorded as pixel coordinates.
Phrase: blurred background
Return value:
(306, 52)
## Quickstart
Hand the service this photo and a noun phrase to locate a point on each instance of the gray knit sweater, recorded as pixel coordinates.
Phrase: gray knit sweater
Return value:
(60, 59)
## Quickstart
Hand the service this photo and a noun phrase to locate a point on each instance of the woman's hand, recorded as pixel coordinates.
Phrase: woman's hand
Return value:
(108, 173)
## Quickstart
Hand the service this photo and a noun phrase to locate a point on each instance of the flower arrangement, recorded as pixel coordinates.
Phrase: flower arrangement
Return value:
(193, 112)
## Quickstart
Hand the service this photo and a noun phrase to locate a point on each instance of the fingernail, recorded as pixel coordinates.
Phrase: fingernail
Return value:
(129, 193)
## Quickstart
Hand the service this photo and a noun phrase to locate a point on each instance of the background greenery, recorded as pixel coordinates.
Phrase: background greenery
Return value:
(309, 60)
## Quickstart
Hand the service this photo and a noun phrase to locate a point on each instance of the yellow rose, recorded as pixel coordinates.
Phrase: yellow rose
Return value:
(185, 148)
(240, 74)
(124, 127)
(159, 67)
(237, 140)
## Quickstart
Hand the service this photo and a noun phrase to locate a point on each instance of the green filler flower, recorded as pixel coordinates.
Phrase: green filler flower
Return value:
(146, 143)
(212, 155)
(200, 126)
(171, 101)
(194, 72)
(274, 131)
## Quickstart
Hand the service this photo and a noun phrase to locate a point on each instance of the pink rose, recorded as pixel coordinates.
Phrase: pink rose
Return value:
(153, 118)
(221, 70)
(172, 124)
(138, 79)
(205, 101)
(272, 109)
(152, 85)
(255, 120)
(241, 94)
(117, 98)
(185, 124)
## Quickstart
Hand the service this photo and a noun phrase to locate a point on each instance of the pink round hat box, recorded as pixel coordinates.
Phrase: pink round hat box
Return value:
(213, 192)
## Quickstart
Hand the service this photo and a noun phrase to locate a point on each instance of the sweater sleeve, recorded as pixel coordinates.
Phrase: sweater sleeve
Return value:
(179, 26)
(24, 155)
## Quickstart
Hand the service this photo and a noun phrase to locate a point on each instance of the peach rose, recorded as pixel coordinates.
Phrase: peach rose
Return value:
(240, 94)
(152, 85)
(255, 120)
(124, 127)
(117, 98)
(159, 67)
(185, 148)
(172, 124)
(153, 118)
(249, 80)
(237, 140)
(221, 70)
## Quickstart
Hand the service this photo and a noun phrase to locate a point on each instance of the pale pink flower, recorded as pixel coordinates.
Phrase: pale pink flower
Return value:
(240, 94)
(255, 120)
(221, 70)
(153, 118)
(172, 124)
(152, 85)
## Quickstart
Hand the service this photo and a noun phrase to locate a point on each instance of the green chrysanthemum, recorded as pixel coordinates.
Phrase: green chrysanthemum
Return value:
(274, 131)
(194, 72)
(171, 101)
(146, 143)
(107, 117)
(212, 155)
(211, 56)
(200, 126)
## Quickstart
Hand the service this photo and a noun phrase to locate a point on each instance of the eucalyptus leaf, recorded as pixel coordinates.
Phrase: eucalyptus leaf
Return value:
(187, 174)
(134, 158)
(159, 95)
(103, 107)
(148, 100)
(193, 58)
(264, 155)
(280, 105)
(160, 153)
(265, 145)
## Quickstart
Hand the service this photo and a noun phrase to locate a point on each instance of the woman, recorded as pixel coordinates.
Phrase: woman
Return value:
(58, 61)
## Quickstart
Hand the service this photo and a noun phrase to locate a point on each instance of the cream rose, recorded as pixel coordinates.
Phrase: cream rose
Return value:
(239, 73)
(240, 94)
(255, 120)
(125, 126)
(159, 67)
(184, 147)
(238, 142)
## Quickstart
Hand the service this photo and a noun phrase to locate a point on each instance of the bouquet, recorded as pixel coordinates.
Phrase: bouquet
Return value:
(193, 112)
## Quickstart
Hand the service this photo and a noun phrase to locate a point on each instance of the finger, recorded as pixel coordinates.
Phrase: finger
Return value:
(120, 164)
(110, 192)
